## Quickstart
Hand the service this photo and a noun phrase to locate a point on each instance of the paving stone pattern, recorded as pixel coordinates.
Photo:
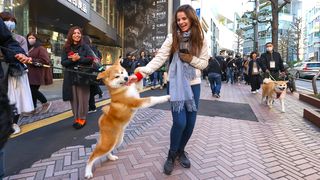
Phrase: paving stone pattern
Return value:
(279, 146)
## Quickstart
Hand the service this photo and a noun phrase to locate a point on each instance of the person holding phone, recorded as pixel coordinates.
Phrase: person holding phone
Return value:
(187, 52)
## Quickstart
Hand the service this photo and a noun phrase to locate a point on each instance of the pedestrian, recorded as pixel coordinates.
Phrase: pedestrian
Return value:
(6, 116)
(189, 56)
(254, 72)
(94, 88)
(38, 75)
(77, 56)
(126, 63)
(16, 77)
(143, 61)
(245, 65)
(231, 66)
(271, 62)
(215, 68)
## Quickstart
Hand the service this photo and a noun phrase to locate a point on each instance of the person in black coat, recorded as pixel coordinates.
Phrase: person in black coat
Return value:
(215, 68)
(15, 55)
(77, 56)
(254, 72)
(94, 88)
(271, 62)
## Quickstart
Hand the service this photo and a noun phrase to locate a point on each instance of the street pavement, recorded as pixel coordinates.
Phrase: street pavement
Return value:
(267, 145)
(306, 85)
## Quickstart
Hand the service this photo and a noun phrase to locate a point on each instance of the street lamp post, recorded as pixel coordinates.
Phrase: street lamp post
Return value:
(255, 26)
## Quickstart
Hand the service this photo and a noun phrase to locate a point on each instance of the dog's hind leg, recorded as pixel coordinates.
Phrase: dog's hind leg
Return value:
(282, 105)
(98, 152)
(262, 98)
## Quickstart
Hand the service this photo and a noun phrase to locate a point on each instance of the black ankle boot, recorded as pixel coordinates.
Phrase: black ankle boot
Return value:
(168, 165)
(183, 159)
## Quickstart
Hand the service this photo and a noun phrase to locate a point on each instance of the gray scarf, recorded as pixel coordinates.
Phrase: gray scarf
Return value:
(180, 74)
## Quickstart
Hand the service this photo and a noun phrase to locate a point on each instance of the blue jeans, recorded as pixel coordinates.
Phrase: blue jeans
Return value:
(183, 123)
(215, 82)
(230, 73)
(155, 78)
(1, 164)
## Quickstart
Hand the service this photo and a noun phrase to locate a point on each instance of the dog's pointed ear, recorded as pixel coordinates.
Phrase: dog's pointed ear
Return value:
(118, 62)
(103, 74)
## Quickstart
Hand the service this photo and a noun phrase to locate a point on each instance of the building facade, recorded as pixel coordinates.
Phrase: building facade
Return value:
(102, 20)
(312, 33)
(286, 17)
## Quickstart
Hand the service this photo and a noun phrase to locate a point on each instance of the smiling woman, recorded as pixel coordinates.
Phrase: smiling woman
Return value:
(188, 53)
(76, 87)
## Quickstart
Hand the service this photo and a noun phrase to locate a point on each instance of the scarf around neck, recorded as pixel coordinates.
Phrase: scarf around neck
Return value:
(180, 74)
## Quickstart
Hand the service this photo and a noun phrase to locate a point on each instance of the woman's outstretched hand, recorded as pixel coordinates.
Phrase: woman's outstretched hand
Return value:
(132, 79)
(185, 57)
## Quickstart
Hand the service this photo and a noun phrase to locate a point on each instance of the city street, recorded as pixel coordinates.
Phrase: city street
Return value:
(235, 137)
(306, 85)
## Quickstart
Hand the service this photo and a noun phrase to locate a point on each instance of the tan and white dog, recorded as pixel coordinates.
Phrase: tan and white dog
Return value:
(274, 90)
(125, 100)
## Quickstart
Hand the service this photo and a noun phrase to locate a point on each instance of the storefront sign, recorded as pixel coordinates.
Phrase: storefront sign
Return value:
(80, 5)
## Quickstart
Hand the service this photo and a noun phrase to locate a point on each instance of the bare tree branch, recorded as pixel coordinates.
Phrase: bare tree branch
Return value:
(250, 38)
(272, 2)
(283, 4)
(264, 21)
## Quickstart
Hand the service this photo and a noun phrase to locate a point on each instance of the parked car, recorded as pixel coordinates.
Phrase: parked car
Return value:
(305, 69)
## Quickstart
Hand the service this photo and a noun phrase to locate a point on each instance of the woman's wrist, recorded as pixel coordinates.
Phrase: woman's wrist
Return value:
(139, 75)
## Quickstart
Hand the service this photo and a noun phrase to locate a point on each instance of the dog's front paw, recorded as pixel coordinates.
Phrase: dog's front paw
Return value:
(112, 157)
(283, 111)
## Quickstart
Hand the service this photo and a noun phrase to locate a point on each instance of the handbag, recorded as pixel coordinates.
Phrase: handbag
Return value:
(85, 75)
(16, 69)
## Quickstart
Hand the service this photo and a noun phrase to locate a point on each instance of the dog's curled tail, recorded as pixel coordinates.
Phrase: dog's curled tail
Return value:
(267, 80)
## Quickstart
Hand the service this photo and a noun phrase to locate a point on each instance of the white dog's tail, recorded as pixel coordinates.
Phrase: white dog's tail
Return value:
(267, 80)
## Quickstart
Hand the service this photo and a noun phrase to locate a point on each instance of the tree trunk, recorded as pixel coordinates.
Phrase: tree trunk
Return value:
(275, 24)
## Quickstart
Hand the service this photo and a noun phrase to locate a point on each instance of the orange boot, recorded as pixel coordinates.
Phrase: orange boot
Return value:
(79, 123)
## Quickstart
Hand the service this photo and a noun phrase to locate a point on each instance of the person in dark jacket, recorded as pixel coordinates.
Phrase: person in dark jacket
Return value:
(215, 68)
(127, 63)
(94, 88)
(18, 86)
(254, 72)
(76, 86)
(271, 62)
(15, 55)
(230, 69)
(38, 75)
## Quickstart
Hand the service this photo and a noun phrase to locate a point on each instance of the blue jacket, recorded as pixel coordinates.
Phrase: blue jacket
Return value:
(7, 41)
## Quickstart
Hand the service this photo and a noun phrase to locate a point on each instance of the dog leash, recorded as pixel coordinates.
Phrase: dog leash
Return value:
(37, 64)
(271, 77)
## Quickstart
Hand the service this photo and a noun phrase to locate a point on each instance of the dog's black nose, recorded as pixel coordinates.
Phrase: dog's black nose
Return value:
(126, 78)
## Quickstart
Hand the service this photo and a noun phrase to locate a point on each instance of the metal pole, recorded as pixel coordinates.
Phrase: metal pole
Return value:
(314, 83)
(255, 24)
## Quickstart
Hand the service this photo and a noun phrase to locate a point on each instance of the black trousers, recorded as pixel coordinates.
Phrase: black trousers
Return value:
(255, 81)
(37, 95)
(94, 90)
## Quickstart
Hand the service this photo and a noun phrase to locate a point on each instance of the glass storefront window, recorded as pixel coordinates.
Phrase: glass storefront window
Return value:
(106, 10)
(20, 10)
(112, 13)
(54, 42)
(99, 7)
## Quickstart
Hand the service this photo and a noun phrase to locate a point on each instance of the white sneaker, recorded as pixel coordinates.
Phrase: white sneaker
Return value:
(253, 92)
(16, 129)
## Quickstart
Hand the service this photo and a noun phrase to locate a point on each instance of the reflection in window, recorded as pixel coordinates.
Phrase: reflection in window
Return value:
(99, 6)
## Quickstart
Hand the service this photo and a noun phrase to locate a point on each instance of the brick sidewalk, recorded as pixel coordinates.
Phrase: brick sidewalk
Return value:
(279, 146)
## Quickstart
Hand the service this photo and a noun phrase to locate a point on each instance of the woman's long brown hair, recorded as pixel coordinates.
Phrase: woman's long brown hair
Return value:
(69, 37)
(195, 27)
